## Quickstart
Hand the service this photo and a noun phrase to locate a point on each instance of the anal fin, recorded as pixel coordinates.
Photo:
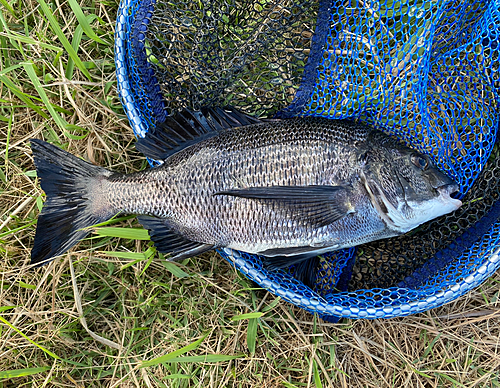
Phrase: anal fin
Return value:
(169, 241)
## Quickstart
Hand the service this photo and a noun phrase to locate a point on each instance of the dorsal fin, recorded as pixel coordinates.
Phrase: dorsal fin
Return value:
(188, 127)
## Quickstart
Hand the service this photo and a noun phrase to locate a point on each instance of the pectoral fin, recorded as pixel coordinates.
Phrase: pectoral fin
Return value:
(316, 205)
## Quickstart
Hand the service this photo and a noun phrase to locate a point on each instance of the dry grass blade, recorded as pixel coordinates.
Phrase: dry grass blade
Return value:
(78, 303)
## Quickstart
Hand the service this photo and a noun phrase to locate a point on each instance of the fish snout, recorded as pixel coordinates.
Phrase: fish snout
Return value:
(446, 190)
(437, 179)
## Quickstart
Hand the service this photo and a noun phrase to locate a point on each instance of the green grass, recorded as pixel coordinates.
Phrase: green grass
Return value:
(113, 313)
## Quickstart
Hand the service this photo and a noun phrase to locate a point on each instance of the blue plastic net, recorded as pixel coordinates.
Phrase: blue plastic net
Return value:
(425, 71)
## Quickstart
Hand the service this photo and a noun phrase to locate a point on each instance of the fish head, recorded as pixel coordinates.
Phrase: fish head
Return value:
(406, 188)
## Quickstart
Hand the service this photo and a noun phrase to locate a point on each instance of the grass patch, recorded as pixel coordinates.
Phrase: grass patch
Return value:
(195, 324)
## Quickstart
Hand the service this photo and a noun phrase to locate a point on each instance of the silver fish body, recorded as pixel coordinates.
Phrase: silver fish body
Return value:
(285, 189)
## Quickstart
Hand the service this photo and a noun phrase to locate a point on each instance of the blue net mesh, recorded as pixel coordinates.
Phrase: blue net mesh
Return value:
(426, 72)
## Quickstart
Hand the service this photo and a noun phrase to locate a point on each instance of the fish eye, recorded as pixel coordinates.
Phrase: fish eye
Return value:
(420, 161)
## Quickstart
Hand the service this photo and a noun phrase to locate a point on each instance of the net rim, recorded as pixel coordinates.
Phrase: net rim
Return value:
(321, 306)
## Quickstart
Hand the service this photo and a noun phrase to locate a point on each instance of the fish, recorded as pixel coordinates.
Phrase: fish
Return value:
(286, 190)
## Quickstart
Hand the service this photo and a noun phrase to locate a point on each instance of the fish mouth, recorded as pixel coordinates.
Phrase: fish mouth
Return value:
(446, 190)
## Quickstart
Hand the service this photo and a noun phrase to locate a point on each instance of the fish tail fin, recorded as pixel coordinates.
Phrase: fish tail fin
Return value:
(72, 205)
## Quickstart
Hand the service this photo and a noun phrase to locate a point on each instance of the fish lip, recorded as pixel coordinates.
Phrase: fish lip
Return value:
(446, 190)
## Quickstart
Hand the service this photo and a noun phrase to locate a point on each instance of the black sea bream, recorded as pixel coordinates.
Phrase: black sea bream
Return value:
(285, 189)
